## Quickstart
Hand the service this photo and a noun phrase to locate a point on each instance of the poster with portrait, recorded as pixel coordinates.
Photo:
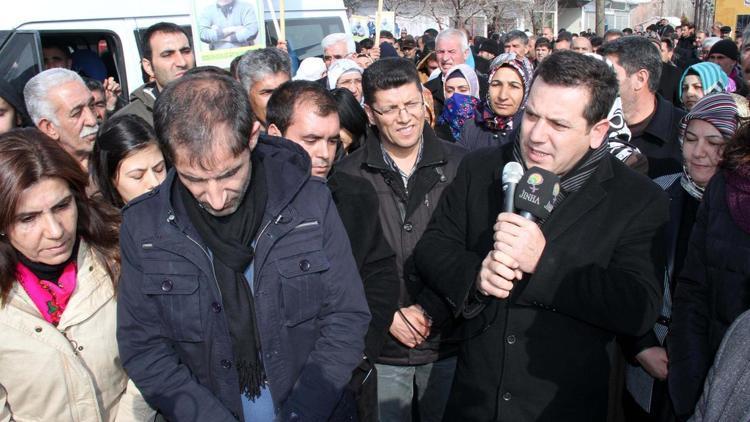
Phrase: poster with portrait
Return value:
(388, 22)
(359, 26)
(224, 29)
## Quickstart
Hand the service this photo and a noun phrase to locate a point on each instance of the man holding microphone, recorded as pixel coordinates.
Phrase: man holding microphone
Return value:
(545, 291)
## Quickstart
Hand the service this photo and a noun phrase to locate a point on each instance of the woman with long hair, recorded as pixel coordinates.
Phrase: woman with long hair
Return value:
(126, 161)
(59, 264)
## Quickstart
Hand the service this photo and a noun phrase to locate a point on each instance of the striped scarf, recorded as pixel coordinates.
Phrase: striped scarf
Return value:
(576, 177)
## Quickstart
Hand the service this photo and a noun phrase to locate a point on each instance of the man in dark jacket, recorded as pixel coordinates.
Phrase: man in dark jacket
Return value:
(653, 121)
(451, 48)
(239, 297)
(409, 167)
(542, 303)
(307, 114)
(167, 55)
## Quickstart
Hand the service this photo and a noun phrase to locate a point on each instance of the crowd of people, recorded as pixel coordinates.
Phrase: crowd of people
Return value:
(342, 241)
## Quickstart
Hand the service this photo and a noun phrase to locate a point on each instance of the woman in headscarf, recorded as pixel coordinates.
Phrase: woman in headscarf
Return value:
(461, 91)
(496, 118)
(704, 133)
(714, 265)
(346, 73)
(699, 80)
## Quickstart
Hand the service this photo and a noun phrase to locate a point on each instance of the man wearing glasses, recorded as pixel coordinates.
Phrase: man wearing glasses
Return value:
(409, 167)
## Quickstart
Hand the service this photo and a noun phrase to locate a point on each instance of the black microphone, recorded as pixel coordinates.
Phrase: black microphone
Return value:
(512, 174)
(536, 193)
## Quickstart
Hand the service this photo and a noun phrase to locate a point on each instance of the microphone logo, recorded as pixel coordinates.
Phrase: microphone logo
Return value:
(534, 180)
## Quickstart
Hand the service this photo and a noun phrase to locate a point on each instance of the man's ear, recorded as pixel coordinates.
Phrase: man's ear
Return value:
(598, 132)
(642, 76)
(48, 128)
(273, 130)
(254, 134)
(370, 115)
(146, 63)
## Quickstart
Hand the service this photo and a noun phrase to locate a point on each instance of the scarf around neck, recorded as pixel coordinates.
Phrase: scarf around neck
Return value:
(230, 238)
(574, 179)
(457, 110)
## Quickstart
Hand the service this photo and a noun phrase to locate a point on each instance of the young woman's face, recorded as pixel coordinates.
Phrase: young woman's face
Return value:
(692, 91)
(140, 172)
(459, 85)
(8, 119)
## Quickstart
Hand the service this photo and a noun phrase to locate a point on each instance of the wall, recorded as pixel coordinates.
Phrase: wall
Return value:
(727, 11)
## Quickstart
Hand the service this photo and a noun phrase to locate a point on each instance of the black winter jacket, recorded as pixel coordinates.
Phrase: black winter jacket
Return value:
(404, 217)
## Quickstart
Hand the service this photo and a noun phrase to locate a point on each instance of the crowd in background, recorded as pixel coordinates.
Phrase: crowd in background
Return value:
(331, 237)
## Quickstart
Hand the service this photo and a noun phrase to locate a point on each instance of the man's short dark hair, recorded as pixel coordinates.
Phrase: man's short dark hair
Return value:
(668, 42)
(387, 35)
(564, 36)
(93, 84)
(432, 31)
(596, 42)
(287, 97)
(543, 42)
(365, 44)
(627, 31)
(635, 53)
(388, 73)
(190, 110)
(517, 35)
(613, 32)
(164, 27)
(570, 69)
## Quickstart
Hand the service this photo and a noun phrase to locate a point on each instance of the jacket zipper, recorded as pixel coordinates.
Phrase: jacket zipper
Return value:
(171, 219)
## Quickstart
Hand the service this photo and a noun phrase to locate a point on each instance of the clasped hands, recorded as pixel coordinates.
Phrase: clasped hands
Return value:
(518, 245)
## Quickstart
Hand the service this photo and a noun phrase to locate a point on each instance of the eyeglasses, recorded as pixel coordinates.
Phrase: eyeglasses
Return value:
(412, 107)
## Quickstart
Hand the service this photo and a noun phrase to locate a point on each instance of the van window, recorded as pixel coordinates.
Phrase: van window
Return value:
(95, 54)
(19, 57)
(305, 34)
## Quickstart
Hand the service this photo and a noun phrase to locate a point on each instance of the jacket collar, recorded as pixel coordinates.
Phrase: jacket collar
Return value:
(432, 152)
(662, 123)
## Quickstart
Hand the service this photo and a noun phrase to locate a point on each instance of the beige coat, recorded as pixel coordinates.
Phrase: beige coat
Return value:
(71, 372)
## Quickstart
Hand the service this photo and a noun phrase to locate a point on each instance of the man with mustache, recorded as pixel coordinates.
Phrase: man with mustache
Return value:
(62, 107)
(451, 48)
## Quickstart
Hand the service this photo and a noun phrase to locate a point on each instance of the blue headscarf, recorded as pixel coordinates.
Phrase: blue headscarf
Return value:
(457, 110)
(713, 79)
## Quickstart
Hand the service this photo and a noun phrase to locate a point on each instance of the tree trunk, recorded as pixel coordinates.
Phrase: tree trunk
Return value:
(600, 17)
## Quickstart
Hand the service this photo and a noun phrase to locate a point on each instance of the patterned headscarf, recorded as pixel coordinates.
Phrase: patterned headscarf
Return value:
(713, 79)
(720, 110)
(457, 110)
(486, 116)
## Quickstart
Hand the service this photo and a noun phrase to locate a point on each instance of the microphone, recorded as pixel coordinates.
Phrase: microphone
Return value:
(536, 193)
(512, 174)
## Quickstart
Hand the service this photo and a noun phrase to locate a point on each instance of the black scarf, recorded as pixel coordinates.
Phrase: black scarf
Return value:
(230, 240)
(576, 177)
(49, 272)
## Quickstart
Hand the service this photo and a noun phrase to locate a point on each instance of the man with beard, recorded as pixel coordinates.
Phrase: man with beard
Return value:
(62, 107)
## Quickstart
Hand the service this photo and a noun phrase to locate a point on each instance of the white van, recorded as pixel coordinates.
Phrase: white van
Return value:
(113, 28)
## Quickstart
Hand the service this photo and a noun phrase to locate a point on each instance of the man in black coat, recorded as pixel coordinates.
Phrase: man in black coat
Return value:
(542, 302)
(306, 113)
(652, 120)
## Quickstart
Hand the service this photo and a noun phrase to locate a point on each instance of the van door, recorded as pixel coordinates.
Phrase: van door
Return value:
(20, 56)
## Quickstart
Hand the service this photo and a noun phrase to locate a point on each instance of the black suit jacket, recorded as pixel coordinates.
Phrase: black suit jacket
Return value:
(541, 354)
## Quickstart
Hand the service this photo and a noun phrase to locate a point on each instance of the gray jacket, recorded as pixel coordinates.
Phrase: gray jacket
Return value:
(726, 393)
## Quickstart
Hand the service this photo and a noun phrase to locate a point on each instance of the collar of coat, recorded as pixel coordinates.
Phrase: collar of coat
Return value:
(432, 152)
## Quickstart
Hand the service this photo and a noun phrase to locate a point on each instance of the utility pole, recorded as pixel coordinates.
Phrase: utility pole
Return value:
(599, 17)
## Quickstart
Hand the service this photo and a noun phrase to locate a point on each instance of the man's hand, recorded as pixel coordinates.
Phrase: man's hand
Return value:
(497, 275)
(375, 53)
(519, 238)
(404, 332)
(281, 45)
(111, 91)
(654, 360)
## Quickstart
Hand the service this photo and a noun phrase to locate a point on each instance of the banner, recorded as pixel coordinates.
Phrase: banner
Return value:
(359, 26)
(223, 30)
